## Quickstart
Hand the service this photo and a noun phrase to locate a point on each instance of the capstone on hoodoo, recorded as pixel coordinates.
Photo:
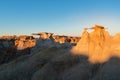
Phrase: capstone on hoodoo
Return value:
(93, 44)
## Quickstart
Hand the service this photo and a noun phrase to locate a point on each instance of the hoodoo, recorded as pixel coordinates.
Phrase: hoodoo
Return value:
(95, 44)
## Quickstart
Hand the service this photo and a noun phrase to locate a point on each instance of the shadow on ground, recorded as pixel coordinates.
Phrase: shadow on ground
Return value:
(59, 64)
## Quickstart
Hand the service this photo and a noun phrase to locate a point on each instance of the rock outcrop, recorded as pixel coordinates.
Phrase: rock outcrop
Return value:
(12, 47)
(25, 42)
(50, 62)
(22, 45)
(96, 44)
(63, 39)
(57, 38)
(43, 35)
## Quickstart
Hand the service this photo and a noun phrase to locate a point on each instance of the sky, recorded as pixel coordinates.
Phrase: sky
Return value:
(64, 17)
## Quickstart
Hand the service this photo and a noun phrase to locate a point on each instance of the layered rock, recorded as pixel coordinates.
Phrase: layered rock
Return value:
(12, 47)
(53, 63)
(44, 35)
(96, 44)
(63, 39)
(58, 38)
(22, 45)
(25, 42)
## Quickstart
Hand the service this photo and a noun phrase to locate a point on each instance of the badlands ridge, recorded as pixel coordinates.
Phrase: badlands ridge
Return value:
(93, 56)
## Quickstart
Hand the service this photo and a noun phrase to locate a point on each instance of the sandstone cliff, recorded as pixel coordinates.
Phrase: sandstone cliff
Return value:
(98, 45)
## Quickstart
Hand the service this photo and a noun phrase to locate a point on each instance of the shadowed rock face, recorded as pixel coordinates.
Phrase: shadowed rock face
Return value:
(12, 47)
(46, 39)
(50, 62)
(22, 45)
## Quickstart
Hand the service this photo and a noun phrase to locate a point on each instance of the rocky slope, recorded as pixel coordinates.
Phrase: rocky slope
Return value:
(50, 60)
(12, 47)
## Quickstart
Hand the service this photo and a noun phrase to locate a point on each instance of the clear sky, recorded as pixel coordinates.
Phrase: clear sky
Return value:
(67, 17)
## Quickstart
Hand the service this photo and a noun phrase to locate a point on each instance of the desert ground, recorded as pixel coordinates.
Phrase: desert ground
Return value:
(94, 55)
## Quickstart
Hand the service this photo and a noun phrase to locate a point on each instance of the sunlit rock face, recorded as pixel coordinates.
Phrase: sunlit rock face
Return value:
(44, 35)
(63, 39)
(116, 47)
(49, 40)
(24, 42)
(6, 37)
(60, 39)
(98, 45)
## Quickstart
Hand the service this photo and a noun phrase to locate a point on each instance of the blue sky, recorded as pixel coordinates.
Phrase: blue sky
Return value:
(66, 17)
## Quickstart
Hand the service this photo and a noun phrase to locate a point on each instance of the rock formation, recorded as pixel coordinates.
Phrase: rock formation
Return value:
(96, 44)
(44, 35)
(63, 39)
(25, 42)
(52, 59)
(58, 38)
(12, 47)
(22, 45)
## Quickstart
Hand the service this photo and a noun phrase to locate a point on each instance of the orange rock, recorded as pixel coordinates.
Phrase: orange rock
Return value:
(96, 44)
